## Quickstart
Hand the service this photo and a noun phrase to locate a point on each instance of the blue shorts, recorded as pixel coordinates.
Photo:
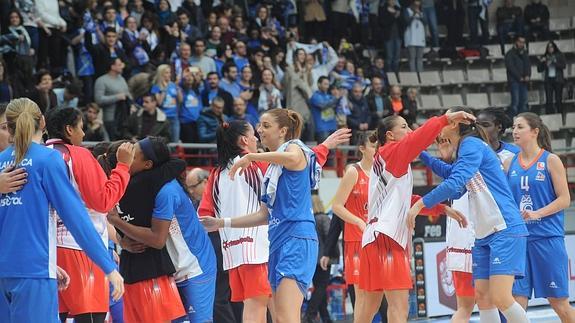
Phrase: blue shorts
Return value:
(295, 259)
(28, 300)
(547, 270)
(501, 253)
(198, 298)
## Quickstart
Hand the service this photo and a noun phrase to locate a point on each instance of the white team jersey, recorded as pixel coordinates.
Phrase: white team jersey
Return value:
(64, 238)
(389, 200)
(459, 240)
(240, 246)
(186, 264)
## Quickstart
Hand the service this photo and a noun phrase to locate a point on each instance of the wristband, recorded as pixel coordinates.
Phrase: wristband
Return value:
(227, 222)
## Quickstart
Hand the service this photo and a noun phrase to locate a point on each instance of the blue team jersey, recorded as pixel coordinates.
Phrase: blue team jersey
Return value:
(292, 214)
(533, 189)
(191, 107)
(478, 170)
(28, 226)
(189, 246)
(170, 104)
(506, 151)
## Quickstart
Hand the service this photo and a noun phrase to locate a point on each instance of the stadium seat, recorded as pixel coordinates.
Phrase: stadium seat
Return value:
(430, 102)
(558, 144)
(453, 77)
(552, 121)
(408, 78)
(537, 48)
(452, 100)
(392, 78)
(566, 45)
(499, 75)
(477, 100)
(559, 24)
(430, 78)
(533, 97)
(478, 75)
(535, 75)
(494, 51)
(569, 121)
(501, 99)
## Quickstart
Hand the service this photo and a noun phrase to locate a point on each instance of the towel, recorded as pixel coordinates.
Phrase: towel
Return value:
(274, 172)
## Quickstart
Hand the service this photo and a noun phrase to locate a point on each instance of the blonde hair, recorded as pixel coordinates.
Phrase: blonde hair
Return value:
(317, 204)
(23, 117)
(159, 72)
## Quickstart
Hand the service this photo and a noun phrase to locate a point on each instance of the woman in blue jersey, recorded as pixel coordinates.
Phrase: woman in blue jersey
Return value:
(539, 184)
(169, 96)
(286, 208)
(495, 121)
(28, 285)
(500, 241)
(175, 225)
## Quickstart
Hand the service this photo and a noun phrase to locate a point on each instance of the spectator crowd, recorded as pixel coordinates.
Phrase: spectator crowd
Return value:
(178, 69)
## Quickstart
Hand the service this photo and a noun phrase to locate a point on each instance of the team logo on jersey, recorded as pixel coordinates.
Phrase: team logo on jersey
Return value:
(540, 165)
(496, 261)
(526, 203)
(513, 173)
(540, 177)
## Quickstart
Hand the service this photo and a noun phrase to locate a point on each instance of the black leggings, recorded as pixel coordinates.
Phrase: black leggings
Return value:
(85, 318)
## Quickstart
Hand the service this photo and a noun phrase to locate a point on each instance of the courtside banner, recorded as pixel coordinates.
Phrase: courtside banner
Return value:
(439, 288)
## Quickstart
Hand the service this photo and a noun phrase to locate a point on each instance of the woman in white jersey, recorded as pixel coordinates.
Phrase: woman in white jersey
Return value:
(245, 250)
(390, 196)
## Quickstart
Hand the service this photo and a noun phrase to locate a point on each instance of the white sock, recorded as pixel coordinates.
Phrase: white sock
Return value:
(489, 316)
(516, 314)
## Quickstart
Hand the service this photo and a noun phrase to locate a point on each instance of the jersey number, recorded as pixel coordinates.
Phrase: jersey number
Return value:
(525, 183)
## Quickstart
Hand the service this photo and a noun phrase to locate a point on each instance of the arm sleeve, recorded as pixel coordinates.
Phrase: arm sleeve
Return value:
(321, 153)
(67, 203)
(97, 191)
(206, 207)
(165, 204)
(99, 93)
(400, 154)
(435, 211)
(439, 167)
(467, 164)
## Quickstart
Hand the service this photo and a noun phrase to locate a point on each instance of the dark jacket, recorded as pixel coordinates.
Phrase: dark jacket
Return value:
(228, 100)
(507, 15)
(517, 64)
(375, 116)
(559, 61)
(390, 24)
(133, 127)
(359, 113)
(101, 55)
(534, 11)
(45, 103)
(208, 124)
(322, 222)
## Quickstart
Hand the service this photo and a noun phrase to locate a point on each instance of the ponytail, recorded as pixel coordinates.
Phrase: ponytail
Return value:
(535, 122)
(227, 137)
(289, 119)
(384, 125)
(23, 117)
(473, 129)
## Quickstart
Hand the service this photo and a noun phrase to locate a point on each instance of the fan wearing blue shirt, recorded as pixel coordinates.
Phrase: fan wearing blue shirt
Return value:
(323, 110)
(28, 287)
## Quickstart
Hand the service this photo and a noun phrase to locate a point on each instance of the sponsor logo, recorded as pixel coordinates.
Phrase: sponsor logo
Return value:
(228, 244)
(540, 165)
(526, 204)
(496, 261)
(553, 285)
(513, 173)
(540, 177)
(274, 221)
(11, 200)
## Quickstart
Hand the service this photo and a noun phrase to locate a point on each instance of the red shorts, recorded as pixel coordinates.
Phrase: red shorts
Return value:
(384, 266)
(249, 281)
(152, 300)
(463, 284)
(351, 262)
(88, 291)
